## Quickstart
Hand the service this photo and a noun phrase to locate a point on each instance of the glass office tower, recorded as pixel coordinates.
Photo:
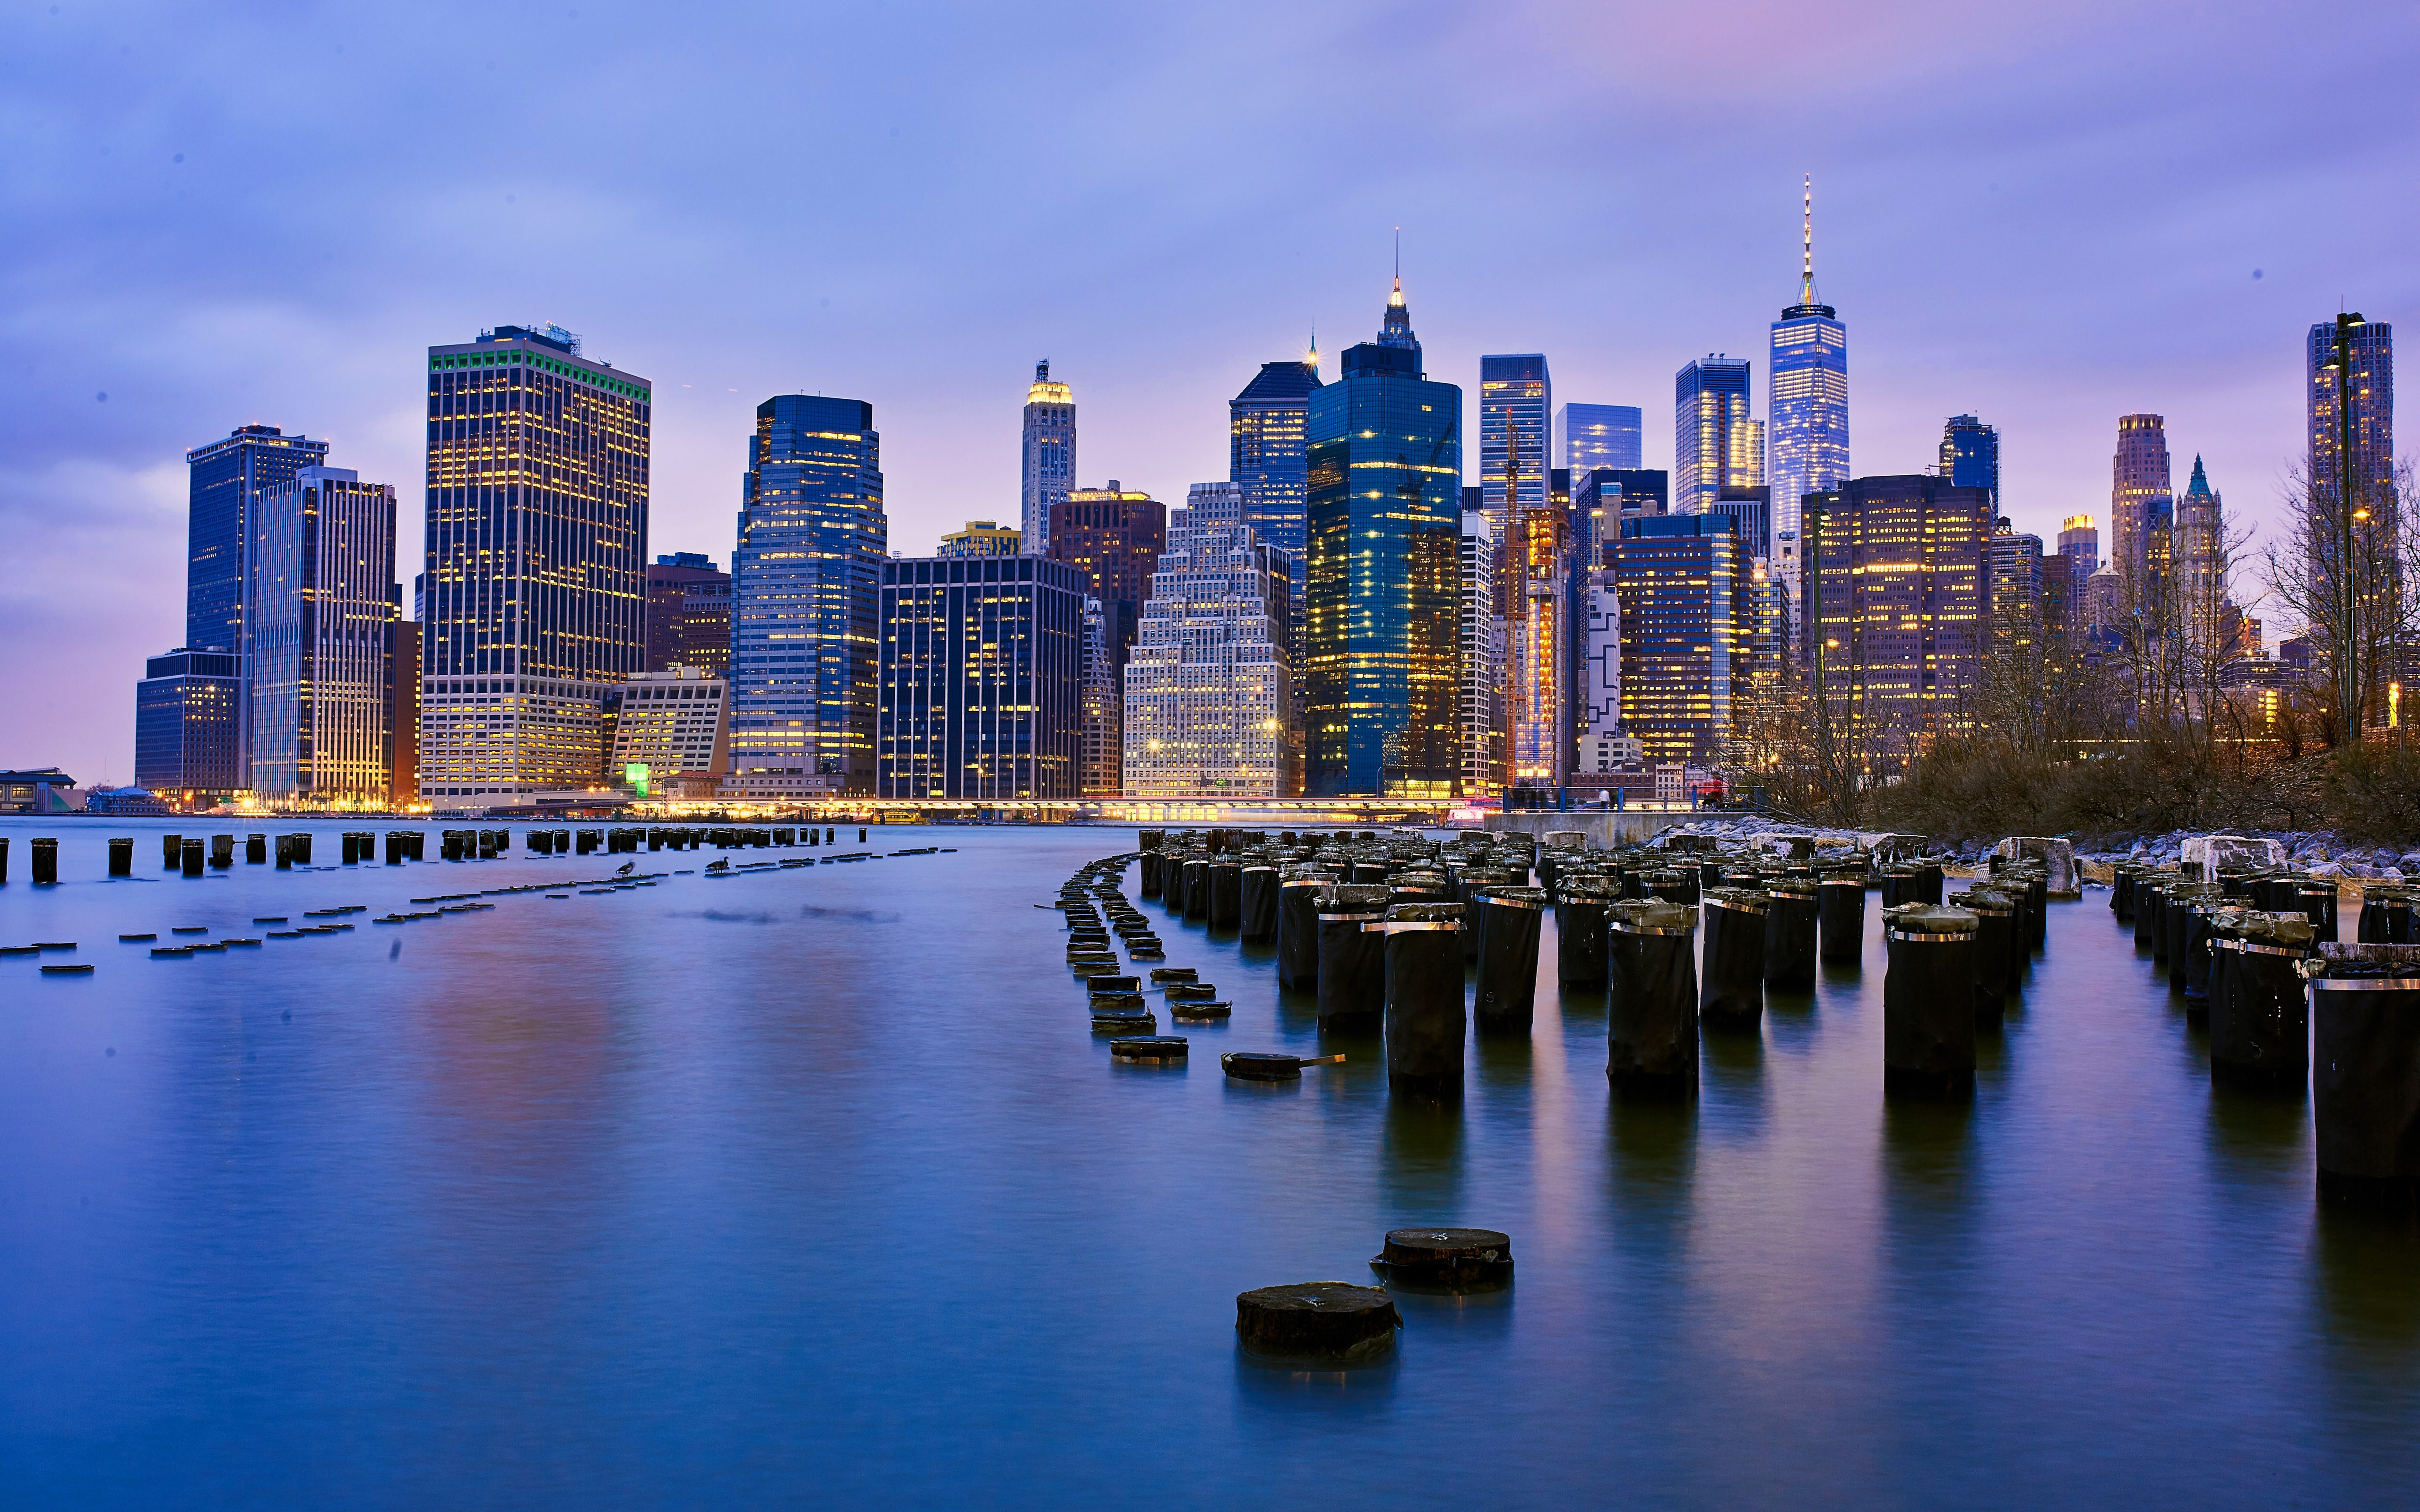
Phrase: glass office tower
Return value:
(1808, 436)
(1714, 446)
(224, 477)
(1266, 451)
(1590, 435)
(805, 581)
(1382, 528)
(1970, 455)
(1683, 587)
(980, 672)
(315, 638)
(532, 594)
(1515, 401)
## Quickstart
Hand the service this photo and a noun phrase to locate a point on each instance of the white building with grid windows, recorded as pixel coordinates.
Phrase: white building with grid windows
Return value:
(673, 722)
(1209, 694)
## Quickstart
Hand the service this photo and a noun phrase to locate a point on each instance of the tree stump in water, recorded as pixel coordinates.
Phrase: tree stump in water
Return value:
(1330, 1322)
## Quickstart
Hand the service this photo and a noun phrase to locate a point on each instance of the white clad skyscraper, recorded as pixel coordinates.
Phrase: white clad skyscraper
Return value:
(1808, 440)
(1049, 469)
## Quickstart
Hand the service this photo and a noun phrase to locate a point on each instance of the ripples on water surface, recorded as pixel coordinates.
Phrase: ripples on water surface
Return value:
(814, 1187)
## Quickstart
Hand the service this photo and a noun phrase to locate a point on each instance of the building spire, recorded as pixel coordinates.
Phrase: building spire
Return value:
(1397, 329)
(1395, 300)
(1810, 303)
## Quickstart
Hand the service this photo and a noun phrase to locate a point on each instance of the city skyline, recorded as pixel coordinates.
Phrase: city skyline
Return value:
(2113, 284)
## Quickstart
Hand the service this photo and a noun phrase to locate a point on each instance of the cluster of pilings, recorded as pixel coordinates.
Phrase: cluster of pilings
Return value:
(1335, 1325)
(2259, 957)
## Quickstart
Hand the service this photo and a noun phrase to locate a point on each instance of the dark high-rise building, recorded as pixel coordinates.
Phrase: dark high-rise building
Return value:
(1266, 452)
(534, 607)
(689, 614)
(981, 678)
(224, 477)
(1970, 455)
(188, 710)
(316, 639)
(2139, 488)
(1114, 536)
(1898, 600)
(2364, 424)
(1683, 589)
(1384, 532)
(806, 611)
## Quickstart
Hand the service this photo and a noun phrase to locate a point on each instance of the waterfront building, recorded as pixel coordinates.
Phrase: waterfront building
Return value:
(1539, 604)
(1970, 455)
(1101, 757)
(688, 613)
(534, 598)
(1898, 593)
(1209, 692)
(670, 723)
(1712, 445)
(1480, 712)
(403, 708)
(1384, 534)
(320, 596)
(222, 480)
(981, 538)
(2138, 487)
(46, 790)
(187, 711)
(805, 577)
(1807, 402)
(1597, 436)
(1682, 590)
(1048, 468)
(981, 678)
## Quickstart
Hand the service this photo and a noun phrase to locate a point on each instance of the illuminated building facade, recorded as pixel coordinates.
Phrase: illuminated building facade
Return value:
(1479, 713)
(1047, 468)
(1384, 531)
(2017, 570)
(806, 576)
(1597, 436)
(1113, 535)
(533, 592)
(321, 559)
(2139, 488)
(1267, 455)
(1898, 598)
(1538, 577)
(981, 538)
(2367, 376)
(672, 722)
(1715, 444)
(1970, 455)
(1101, 772)
(186, 711)
(222, 480)
(2199, 541)
(1808, 405)
(1209, 693)
(1682, 590)
(981, 678)
(1599, 714)
(1516, 402)
(688, 613)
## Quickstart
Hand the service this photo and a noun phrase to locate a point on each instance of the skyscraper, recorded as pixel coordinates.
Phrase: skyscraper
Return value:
(1597, 436)
(1808, 403)
(1382, 528)
(2067, 576)
(1970, 455)
(2201, 545)
(186, 709)
(2017, 571)
(806, 581)
(1266, 452)
(1209, 698)
(222, 480)
(1681, 585)
(1113, 535)
(1537, 575)
(689, 614)
(1100, 756)
(1479, 679)
(1049, 469)
(534, 571)
(1516, 402)
(980, 676)
(2138, 485)
(2365, 423)
(321, 558)
(1712, 446)
(1898, 588)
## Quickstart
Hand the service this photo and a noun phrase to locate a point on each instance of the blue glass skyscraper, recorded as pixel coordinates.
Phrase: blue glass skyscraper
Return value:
(1970, 455)
(1383, 527)
(1714, 446)
(1808, 436)
(226, 476)
(1266, 452)
(806, 583)
(1591, 435)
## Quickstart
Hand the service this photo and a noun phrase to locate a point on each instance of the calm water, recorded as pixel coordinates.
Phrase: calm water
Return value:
(813, 1186)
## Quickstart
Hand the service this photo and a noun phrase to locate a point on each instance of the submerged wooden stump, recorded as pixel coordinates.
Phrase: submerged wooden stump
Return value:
(1332, 1322)
(1452, 1259)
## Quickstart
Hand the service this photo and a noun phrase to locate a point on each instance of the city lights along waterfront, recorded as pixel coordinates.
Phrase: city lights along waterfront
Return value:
(809, 1181)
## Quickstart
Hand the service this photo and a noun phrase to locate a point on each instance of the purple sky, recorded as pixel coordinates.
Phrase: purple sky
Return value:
(2048, 214)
